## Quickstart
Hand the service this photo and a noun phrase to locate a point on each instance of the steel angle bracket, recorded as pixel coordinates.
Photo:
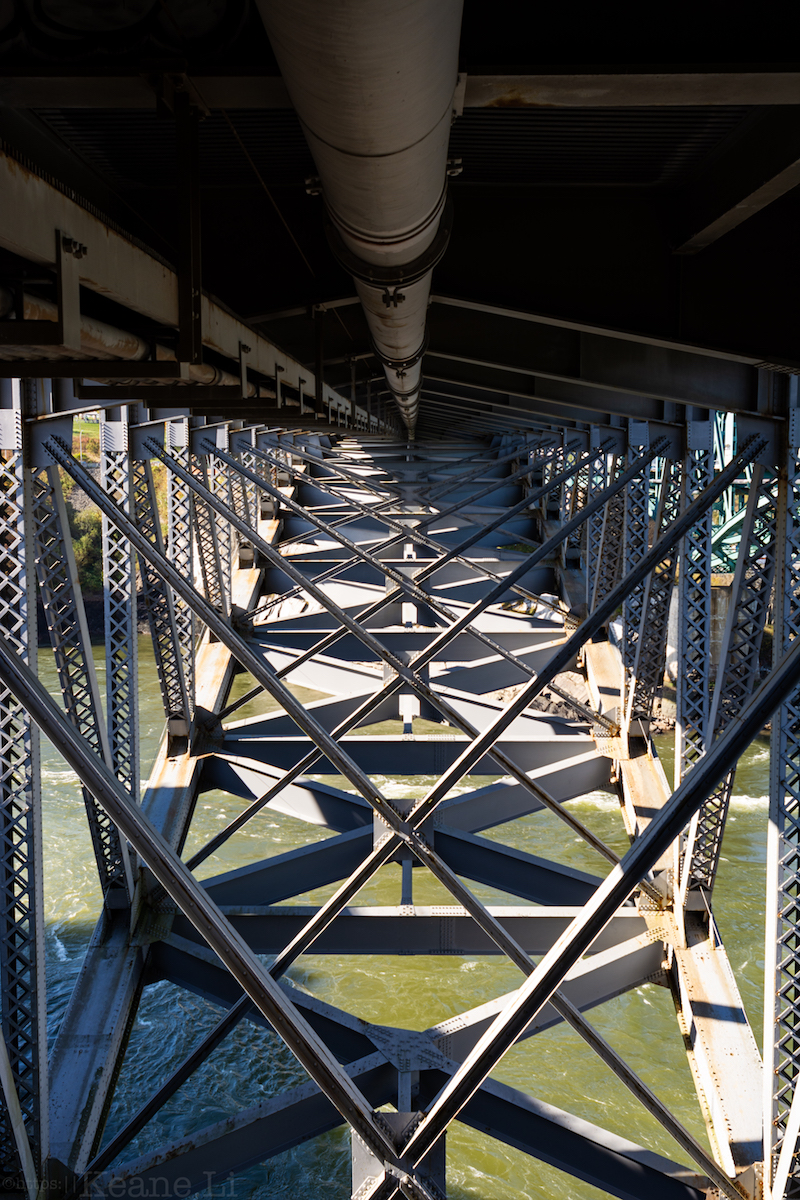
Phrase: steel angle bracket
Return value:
(138, 436)
(35, 452)
(218, 434)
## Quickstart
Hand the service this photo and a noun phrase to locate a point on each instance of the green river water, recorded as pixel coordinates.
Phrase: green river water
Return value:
(253, 1064)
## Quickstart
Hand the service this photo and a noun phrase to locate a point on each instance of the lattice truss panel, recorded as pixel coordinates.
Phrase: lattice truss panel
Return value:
(651, 602)
(782, 982)
(612, 538)
(578, 500)
(598, 479)
(158, 597)
(21, 949)
(571, 491)
(637, 526)
(205, 528)
(221, 484)
(694, 627)
(181, 553)
(66, 623)
(401, 602)
(246, 491)
(122, 675)
(738, 673)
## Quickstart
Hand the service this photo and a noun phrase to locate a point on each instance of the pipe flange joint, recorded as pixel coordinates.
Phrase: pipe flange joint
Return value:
(401, 365)
(389, 279)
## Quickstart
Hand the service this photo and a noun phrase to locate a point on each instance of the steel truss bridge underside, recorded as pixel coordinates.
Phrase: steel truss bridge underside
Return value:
(442, 582)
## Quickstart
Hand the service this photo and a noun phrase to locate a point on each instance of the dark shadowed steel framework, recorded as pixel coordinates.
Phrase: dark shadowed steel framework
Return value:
(434, 582)
(487, 499)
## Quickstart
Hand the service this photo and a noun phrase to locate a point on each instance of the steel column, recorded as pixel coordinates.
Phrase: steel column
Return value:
(611, 543)
(22, 977)
(119, 595)
(180, 549)
(647, 668)
(694, 612)
(637, 526)
(205, 525)
(597, 482)
(782, 966)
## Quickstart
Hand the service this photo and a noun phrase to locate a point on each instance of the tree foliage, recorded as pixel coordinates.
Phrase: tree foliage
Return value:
(86, 528)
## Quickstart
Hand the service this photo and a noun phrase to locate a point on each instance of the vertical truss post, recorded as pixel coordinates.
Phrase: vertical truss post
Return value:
(69, 636)
(119, 597)
(636, 503)
(539, 458)
(248, 492)
(578, 500)
(597, 481)
(22, 978)
(737, 676)
(694, 611)
(159, 604)
(554, 466)
(651, 641)
(609, 550)
(244, 499)
(219, 483)
(264, 505)
(205, 525)
(568, 497)
(181, 550)
(782, 965)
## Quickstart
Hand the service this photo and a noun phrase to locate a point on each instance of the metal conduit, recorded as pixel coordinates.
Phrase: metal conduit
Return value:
(373, 86)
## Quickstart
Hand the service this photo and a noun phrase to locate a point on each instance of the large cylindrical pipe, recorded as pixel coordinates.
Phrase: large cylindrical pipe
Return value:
(373, 85)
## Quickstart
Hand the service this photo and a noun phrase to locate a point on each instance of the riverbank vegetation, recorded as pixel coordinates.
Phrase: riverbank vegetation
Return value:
(85, 520)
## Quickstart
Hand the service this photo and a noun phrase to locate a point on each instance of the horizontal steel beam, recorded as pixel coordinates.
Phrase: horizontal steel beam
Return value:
(253, 1135)
(667, 86)
(568, 363)
(585, 1151)
(618, 335)
(285, 875)
(512, 871)
(756, 166)
(591, 982)
(423, 930)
